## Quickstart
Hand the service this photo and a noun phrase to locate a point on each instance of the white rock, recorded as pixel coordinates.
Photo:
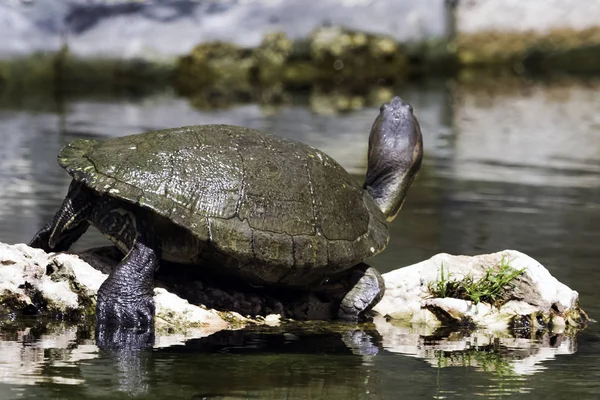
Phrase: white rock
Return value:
(273, 319)
(89, 277)
(537, 292)
(173, 311)
(24, 270)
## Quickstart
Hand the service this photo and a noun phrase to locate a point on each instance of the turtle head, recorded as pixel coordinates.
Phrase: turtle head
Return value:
(395, 153)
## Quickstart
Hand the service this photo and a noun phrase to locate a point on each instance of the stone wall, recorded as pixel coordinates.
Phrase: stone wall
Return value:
(534, 35)
(235, 45)
(540, 16)
(164, 29)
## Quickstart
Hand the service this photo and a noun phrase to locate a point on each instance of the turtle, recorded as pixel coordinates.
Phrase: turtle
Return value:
(238, 202)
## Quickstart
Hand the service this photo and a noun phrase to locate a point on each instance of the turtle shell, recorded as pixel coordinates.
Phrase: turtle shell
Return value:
(283, 211)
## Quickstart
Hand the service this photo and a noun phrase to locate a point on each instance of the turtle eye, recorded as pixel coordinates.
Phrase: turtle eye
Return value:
(383, 107)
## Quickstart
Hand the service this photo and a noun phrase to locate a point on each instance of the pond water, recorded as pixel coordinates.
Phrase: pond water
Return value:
(510, 165)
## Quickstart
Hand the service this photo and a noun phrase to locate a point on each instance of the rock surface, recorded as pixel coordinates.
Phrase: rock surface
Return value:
(537, 301)
(62, 285)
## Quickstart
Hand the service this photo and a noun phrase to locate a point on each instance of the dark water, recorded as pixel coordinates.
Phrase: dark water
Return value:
(510, 166)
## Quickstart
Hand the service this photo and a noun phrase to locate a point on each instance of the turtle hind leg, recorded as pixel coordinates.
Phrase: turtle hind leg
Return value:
(126, 298)
(367, 290)
(69, 223)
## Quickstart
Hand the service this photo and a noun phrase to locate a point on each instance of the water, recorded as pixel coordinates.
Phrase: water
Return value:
(508, 165)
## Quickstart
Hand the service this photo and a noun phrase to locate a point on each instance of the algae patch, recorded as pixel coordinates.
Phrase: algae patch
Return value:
(493, 287)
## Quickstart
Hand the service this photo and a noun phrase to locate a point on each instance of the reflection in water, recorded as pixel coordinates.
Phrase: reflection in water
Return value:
(513, 166)
(498, 353)
(311, 360)
(260, 364)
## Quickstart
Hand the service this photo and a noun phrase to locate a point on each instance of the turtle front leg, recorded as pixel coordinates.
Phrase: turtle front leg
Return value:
(367, 290)
(69, 223)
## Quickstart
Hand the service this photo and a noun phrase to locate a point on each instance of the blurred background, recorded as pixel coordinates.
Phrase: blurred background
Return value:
(507, 93)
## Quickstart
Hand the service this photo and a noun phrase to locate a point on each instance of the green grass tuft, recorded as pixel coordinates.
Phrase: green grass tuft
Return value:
(492, 288)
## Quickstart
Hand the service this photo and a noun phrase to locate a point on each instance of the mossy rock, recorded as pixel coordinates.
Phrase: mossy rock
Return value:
(271, 56)
(214, 64)
(356, 54)
(329, 54)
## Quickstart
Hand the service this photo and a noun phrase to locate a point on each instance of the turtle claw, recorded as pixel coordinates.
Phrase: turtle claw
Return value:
(41, 240)
(125, 312)
(68, 224)
(124, 324)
